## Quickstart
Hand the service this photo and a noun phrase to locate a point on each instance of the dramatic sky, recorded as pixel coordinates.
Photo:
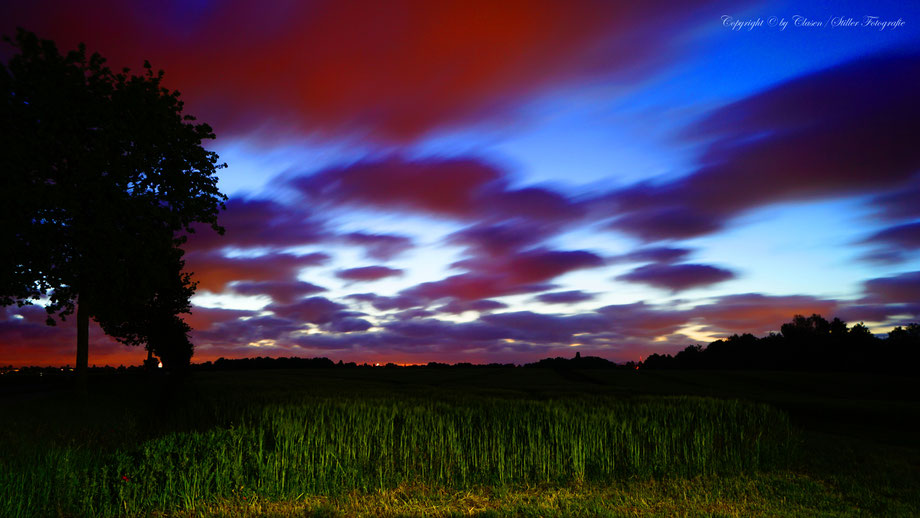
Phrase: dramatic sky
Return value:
(415, 181)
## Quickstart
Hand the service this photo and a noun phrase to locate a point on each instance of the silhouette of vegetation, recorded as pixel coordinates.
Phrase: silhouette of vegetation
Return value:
(806, 343)
(578, 362)
(102, 174)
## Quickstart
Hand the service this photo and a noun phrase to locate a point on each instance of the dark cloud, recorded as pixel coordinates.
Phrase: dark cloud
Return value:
(447, 187)
(677, 277)
(894, 244)
(368, 273)
(543, 328)
(757, 313)
(462, 306)
(651, 222)
(511, 274)
(879, 313)
(642, 321)
(214, 271)
(202, 319)
(315, 310)
(500, 238)
(565, 297)
(467, 189)
(657, 254)
(900, 204)
(791, 142)
(409, 314)
(318, 67)
(384, 303)
(470, 286)
(260, 224)
(903, 288)
(379, 246)
(349, 325)
(532, 266)
(243, 333)
(282, 292)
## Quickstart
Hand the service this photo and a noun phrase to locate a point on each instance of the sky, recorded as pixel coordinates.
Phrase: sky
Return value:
(504, 181)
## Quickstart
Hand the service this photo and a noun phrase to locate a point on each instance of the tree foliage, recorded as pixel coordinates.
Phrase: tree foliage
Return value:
(100, 174)
(805, 343)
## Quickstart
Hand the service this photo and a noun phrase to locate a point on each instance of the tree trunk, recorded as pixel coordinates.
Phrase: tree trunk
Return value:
(82, 346)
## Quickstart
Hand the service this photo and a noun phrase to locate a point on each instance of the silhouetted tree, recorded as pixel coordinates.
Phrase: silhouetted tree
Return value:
(838, 328)
(806, 328)
(902, 335)
(154, 321)
(101, 172)
(806, 343)
(169, 341)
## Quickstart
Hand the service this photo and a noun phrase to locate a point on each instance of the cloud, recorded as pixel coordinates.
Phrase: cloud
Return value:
(642, 321)
(658, 254)
(315, 310)
(214, 271)
(468, 287)
(532, 266)
(677, 277)
(281, 292)
(500, 238)
(757, 313)
(462, 306)
(463, 189)
(202, 319)
(243, 333)
(545, 328)
(900, 204)
(512, 274)
(448, 187)
(349, 325)
(392, 73)
(793, 141)
(252, 223)
(565, 297)
(894, 244)
(379, 246)
(878, 312)
(368, 273)
(902, 288)
(384, 303)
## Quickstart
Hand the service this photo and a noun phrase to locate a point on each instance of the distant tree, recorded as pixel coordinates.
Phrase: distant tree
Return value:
(860, 331)
(900, 334)
(838, 328)
(692, 357)
(101, 173)
(804, 328)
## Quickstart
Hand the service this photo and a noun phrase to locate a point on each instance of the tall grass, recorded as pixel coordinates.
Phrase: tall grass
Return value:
(328, 445)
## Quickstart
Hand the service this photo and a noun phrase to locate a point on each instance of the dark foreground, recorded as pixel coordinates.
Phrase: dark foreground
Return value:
(454, 441)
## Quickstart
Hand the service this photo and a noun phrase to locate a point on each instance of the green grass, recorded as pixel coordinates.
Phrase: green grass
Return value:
(350, 443)
(332, 445)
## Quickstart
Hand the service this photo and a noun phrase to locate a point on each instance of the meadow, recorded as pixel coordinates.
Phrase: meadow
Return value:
(421, 442)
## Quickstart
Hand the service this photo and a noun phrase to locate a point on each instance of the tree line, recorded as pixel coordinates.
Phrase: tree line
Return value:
(806, 343)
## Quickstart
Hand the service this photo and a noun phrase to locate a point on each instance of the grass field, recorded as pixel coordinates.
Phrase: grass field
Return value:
(459, 442)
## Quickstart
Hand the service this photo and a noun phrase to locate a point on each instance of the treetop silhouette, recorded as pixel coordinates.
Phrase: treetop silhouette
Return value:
(100, 175)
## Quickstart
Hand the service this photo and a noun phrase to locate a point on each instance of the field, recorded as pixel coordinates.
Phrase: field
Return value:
(460, 442)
